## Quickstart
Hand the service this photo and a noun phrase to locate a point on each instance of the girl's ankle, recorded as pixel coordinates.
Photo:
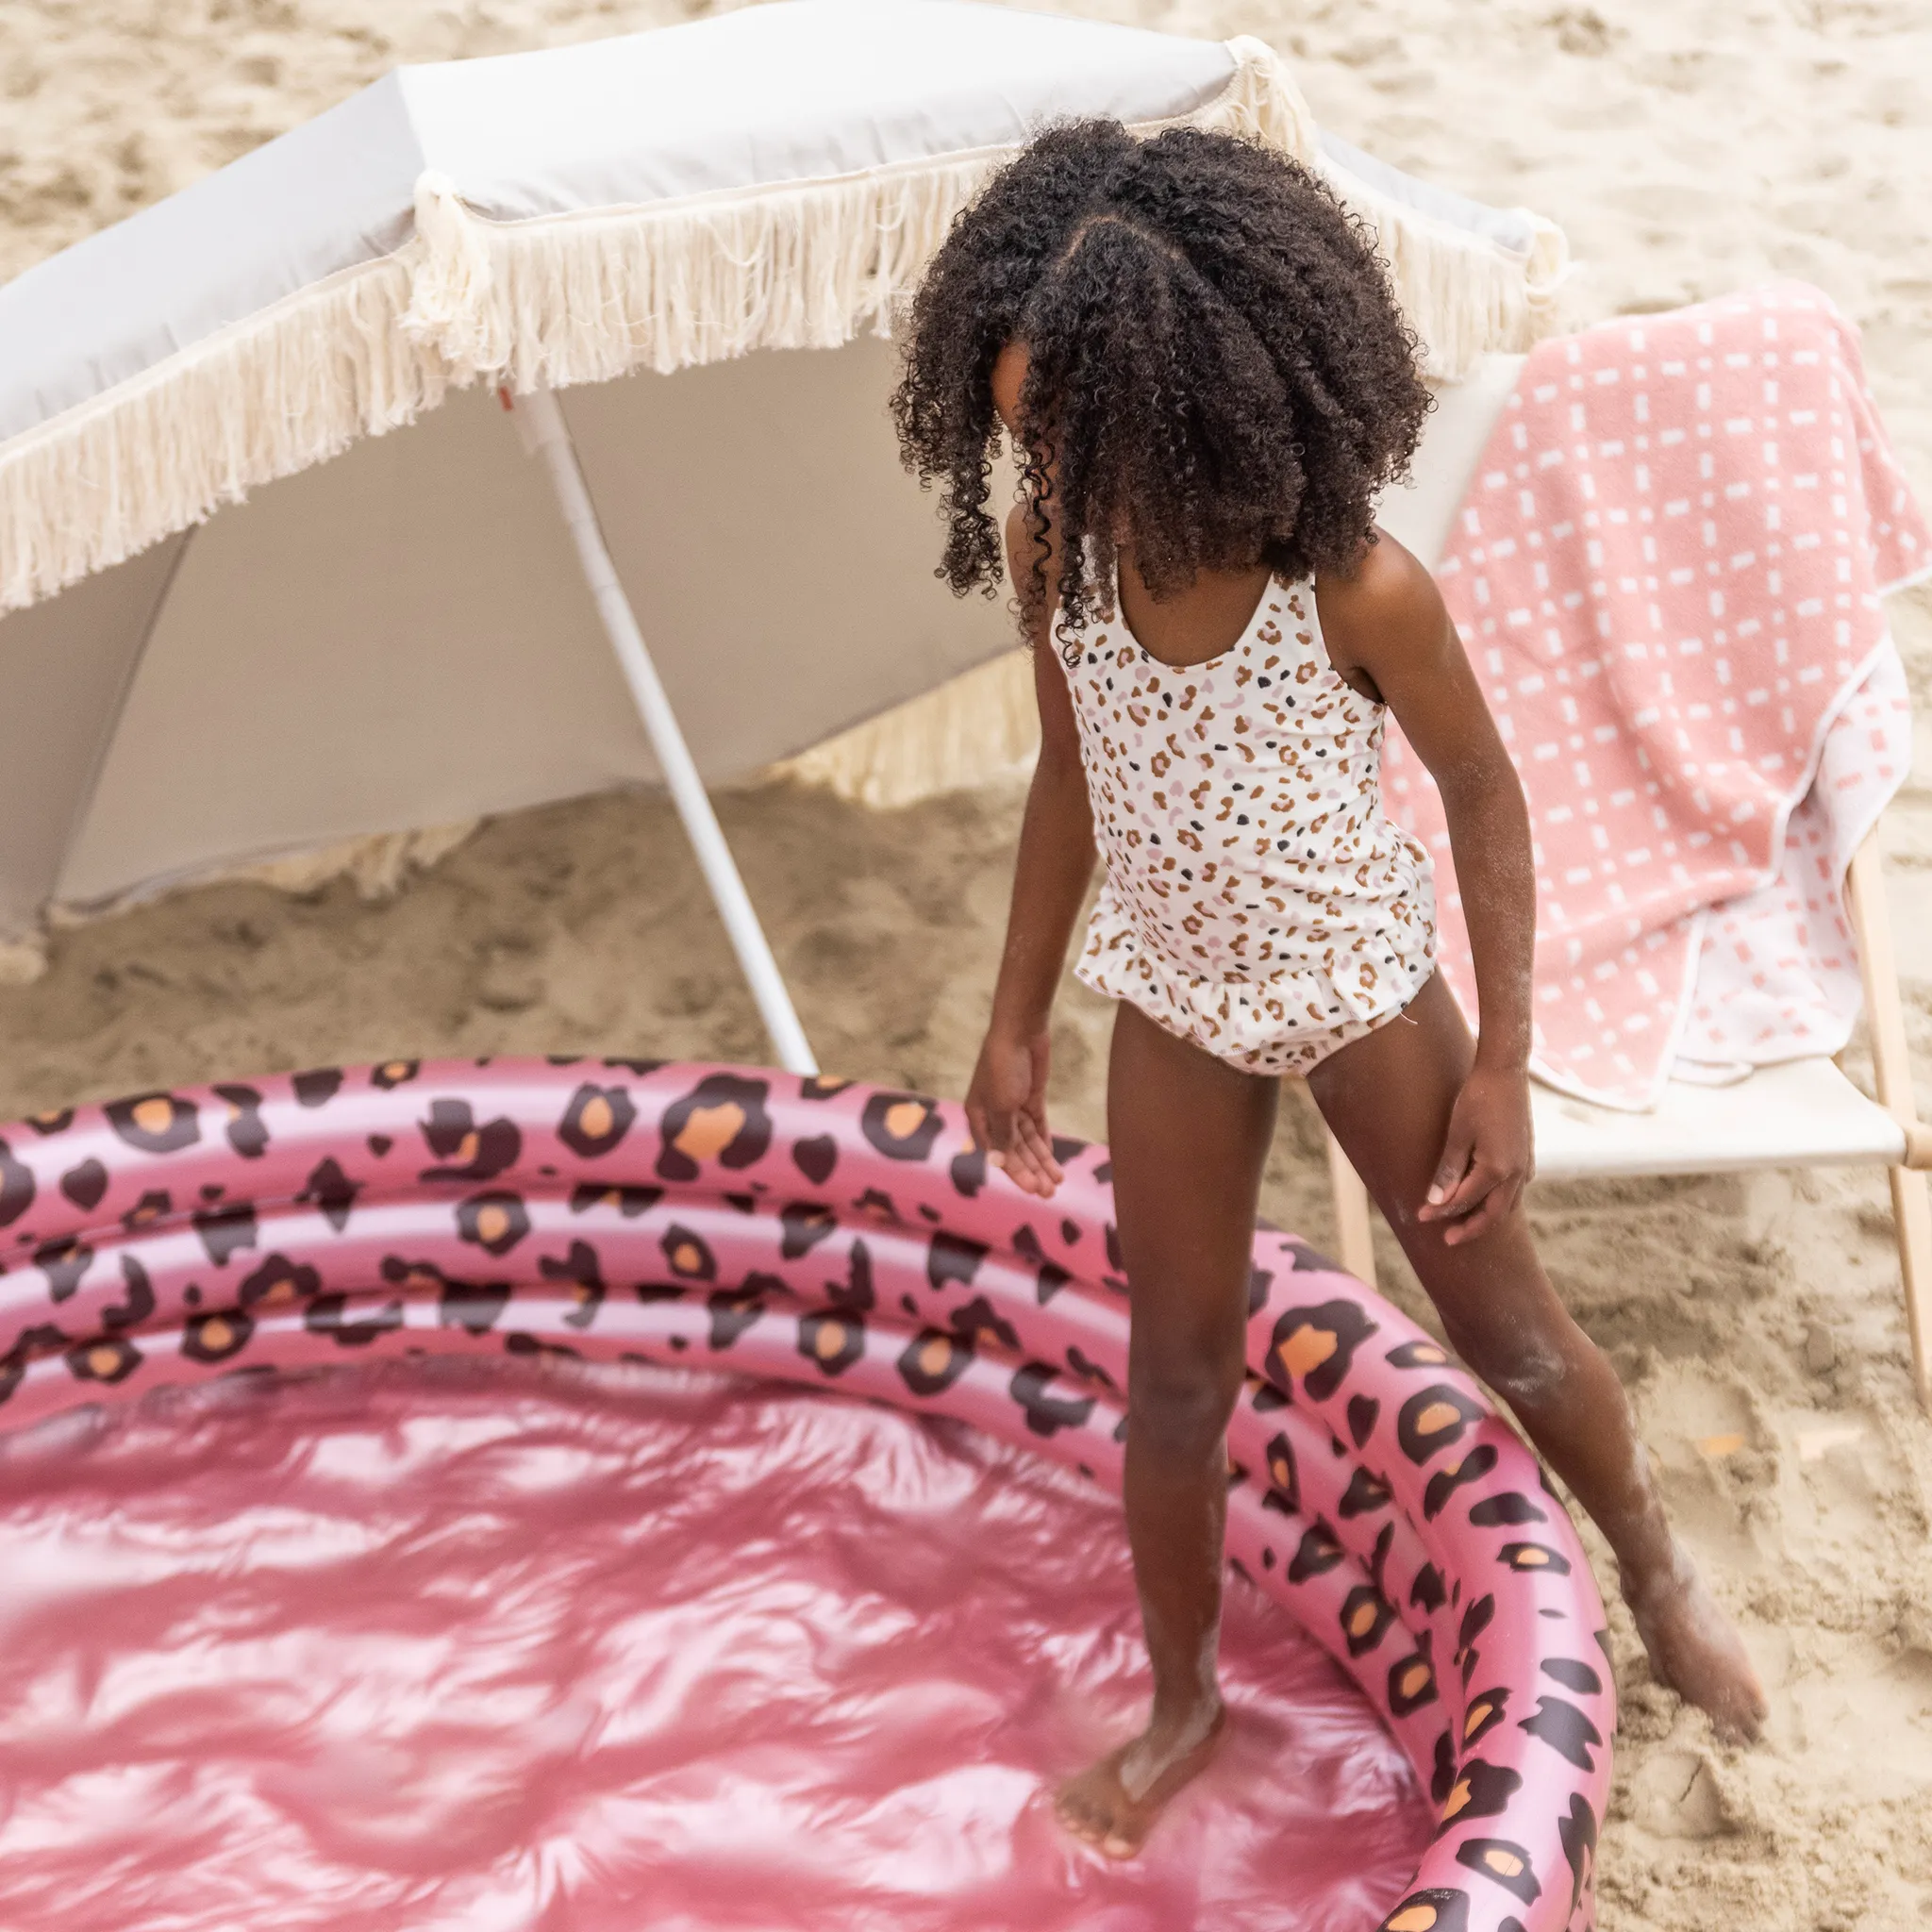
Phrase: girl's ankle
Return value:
(1644, 1582)
(1187, 1720)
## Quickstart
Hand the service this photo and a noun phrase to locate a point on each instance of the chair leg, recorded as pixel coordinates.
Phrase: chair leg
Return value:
(1911, 1211)
(1353, 1233)
(1893, 1075)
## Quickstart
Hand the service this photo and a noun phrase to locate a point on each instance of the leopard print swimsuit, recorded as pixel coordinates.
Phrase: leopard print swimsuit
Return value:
(1256, 900)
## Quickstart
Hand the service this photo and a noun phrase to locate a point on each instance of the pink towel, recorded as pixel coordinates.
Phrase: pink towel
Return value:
(1667, 573)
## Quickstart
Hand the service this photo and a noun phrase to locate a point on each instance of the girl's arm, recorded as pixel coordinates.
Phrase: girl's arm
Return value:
(1388, 632)
(1007, 1101)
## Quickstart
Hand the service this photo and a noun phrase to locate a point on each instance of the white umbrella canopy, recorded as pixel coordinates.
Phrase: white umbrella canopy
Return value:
(245, 619)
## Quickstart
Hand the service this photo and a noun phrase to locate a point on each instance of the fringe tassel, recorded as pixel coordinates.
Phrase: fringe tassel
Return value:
(980, 725)
(450, 311)
(586, 298)
(1262, 101)
(268, 396)
(1466, 296)
(23, 960)
(377, 864)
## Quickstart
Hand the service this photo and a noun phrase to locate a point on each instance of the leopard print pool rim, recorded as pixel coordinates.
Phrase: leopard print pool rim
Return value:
(845, 1236)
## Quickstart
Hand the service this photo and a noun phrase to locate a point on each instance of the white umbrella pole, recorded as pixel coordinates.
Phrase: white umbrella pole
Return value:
(546, 434)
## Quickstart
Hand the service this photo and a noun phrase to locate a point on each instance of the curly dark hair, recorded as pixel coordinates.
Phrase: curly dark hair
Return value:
(1215, 361)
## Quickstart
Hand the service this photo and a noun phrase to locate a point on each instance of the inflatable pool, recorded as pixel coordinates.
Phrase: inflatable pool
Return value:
(844, 1237)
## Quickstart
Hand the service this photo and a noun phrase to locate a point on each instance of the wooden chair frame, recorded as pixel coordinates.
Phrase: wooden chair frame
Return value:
(1911, 1204)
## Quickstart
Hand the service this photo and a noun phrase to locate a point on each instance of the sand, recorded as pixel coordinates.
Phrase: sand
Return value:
(1689, 146)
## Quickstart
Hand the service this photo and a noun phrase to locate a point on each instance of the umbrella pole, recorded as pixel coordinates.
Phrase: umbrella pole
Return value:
(548, 435)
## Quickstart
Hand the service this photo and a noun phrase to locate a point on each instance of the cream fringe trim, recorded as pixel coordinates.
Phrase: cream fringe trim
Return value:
(583, 298)
(23, 960)
(265, 397)
(981, 725)
(1466, 296)
(377, 864)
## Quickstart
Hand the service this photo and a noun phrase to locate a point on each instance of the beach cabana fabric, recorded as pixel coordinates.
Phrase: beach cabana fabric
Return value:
(382, 631)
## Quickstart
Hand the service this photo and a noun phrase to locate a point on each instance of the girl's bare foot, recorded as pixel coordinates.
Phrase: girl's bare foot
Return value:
(1113, 1805)
(1694, 1649)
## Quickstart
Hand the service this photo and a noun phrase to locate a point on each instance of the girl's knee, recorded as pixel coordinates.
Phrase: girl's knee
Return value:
(1182, 1409)
(1525, 1367)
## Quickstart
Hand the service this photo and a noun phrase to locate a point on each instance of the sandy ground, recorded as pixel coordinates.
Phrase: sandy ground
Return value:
(1689, 146)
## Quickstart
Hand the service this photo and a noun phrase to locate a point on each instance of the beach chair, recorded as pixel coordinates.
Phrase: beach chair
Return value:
(1804, 1112)
(1801, 1113)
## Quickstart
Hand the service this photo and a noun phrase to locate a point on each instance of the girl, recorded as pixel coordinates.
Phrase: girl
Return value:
(1208, 383)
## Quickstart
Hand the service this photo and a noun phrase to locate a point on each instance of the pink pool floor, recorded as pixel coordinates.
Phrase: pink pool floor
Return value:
(457, 1650)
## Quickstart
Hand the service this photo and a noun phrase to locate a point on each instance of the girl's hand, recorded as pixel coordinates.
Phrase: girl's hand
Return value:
(1005, 1106)
(1487, 1158)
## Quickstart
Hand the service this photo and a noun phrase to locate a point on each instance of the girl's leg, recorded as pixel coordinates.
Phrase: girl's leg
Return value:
(1387, 1099)
(1189, 1135)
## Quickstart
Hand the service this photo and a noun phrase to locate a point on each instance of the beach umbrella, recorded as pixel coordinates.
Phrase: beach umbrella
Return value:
(341, 492)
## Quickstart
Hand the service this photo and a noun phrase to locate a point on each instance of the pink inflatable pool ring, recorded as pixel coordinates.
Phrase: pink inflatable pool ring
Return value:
(846, 1237)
